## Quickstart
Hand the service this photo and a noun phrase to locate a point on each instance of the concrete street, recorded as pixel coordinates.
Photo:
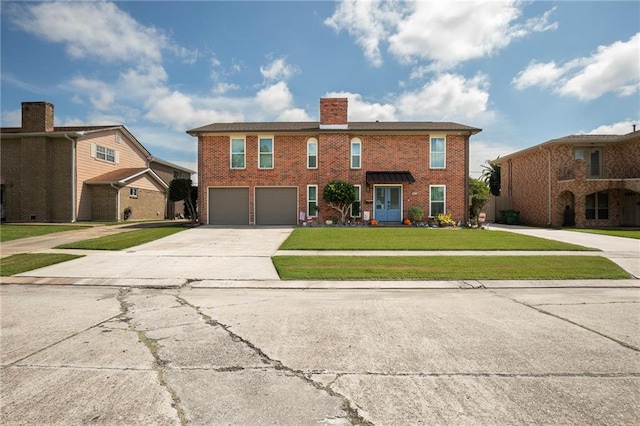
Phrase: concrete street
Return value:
(196, 329)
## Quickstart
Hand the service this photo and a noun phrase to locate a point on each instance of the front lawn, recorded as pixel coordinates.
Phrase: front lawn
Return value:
(14, 232)
(24, 262)
(625, 233)
(417, 239)
(452, 268)
(124, 240)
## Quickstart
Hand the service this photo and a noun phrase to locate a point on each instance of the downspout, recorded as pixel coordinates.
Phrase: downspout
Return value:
(74, 143)
(548, 185)
(117, 188)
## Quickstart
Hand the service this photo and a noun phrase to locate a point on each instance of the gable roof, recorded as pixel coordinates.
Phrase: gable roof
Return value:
(314, 127)
(576, 140)
(123, 176)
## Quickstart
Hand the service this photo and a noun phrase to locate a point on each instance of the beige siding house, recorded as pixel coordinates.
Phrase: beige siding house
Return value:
(65, 174)
(581, 180)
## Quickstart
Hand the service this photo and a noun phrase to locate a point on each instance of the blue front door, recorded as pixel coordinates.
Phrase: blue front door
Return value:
(388, 203)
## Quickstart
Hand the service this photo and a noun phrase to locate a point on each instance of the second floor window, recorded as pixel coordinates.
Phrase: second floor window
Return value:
(103, 153)
(437, 153)
(356, 153)
(237, 153)
(312, 153)
(265, 160)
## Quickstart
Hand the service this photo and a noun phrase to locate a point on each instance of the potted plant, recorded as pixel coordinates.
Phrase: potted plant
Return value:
(415, 214)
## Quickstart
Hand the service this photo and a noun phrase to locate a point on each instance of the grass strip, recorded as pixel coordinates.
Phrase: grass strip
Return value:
(446, 268)
(15, 232)
(625, 233)
(418, 239)
(23, 262)
(124, 240)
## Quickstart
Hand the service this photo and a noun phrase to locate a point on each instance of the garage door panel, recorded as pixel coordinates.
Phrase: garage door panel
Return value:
(229, 206)
(277, 206)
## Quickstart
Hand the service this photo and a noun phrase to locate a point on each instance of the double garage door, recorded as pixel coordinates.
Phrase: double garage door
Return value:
(273, 206)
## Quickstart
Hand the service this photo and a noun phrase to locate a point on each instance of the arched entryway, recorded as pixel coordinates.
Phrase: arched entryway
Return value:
(566, 212)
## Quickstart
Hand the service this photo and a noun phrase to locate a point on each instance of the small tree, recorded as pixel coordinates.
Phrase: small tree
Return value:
(183, 190)
(479, 192)
(491, 176)
(339, 196)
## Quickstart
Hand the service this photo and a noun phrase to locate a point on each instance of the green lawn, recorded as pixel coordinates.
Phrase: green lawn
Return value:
(14, 232)
(124, 240)
(446, 268)
(626, 233)
(417, 239)
(24, 262)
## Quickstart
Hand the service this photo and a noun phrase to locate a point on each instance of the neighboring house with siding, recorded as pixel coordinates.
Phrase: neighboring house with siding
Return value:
(65, 174)
(167, 172)
(273, 173)
(597, 176)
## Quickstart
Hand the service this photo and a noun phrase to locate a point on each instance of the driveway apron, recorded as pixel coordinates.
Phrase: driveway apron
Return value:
(203, 253)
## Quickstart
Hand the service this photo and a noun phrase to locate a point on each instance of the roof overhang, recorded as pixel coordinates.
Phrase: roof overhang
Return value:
(389, 177)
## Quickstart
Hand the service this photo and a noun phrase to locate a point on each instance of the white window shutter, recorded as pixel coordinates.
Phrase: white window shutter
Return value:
(93, 150)
(117, 157)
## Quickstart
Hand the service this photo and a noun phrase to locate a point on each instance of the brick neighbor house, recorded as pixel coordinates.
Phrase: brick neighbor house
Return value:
(597, 176)
(65, 174)
(274, 173)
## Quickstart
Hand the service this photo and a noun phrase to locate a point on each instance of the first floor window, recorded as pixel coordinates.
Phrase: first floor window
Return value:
(356, 153)
(357, 204)
(265, 146)
(597, 205)
(437, 195)
(237, 153)
(133, 192)
(437, 153)
(312, 200)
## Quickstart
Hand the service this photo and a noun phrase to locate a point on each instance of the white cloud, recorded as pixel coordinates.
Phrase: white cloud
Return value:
(278, 70)
(359, 110)
(11, 118)
(619, 128)
(293, 114)
(275, 98)
(100, 94)
(447, 97)
(442, 33)
(370, 22)
(482, 151)
(96, 30)
(614, 68)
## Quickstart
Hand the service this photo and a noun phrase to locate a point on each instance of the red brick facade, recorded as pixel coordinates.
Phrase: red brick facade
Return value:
(543, 180)
(381, 150)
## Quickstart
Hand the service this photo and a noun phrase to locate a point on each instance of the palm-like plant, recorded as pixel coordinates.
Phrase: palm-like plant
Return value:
(491, 176)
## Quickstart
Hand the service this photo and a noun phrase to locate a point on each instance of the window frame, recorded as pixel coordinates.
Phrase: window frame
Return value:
(104, 153)
(595, 212)
(443, 202)
(358, 200)
(355, 141)
(269, 153)
(309, 201)
(443, 152)
(312, 141)
(133, 192)
(243, 153)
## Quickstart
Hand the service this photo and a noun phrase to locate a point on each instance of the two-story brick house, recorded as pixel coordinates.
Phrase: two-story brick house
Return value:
(273, 173)
(596, 176)
(65, 174)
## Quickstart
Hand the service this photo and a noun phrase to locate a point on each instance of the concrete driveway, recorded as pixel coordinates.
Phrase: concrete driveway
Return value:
(203, 253)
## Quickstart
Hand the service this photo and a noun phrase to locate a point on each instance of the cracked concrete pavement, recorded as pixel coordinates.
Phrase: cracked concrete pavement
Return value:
(77, 355)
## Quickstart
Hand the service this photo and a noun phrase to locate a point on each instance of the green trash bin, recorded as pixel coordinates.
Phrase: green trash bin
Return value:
(510, 217)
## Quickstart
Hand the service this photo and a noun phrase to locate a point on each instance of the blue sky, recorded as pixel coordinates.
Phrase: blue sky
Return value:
(524, 72)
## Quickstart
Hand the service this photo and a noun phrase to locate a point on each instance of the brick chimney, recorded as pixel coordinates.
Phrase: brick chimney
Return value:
(333, 113)
(37, 117)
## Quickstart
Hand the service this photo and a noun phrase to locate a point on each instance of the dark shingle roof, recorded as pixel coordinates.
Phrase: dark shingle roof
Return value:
(314, 127)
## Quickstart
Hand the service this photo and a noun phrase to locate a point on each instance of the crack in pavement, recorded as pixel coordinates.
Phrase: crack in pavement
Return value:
(352, 413)
(551, 314)
(159, 363)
